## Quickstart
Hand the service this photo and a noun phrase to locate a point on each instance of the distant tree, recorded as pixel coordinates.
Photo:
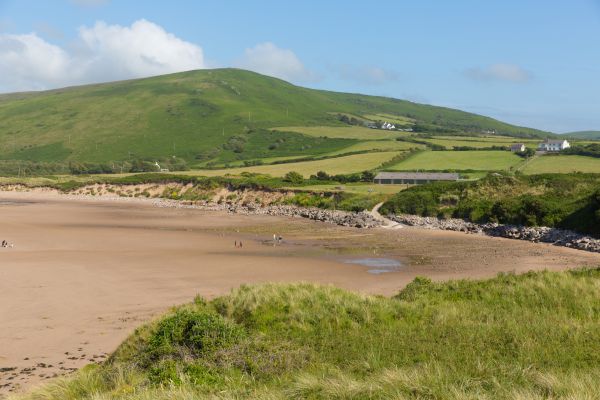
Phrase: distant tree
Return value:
(529, 152)
(293, 177)
(322, 176)
(367, 176)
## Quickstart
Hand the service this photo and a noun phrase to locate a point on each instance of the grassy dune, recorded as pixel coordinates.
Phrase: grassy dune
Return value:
(534, 336)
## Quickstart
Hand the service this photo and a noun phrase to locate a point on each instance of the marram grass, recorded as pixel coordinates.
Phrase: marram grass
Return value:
(531, 336)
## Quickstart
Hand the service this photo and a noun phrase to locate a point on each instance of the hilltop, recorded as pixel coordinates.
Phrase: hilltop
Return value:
(220, 115)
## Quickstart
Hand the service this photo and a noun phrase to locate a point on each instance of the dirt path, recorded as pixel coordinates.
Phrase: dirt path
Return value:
(387, 223)
(84, 273)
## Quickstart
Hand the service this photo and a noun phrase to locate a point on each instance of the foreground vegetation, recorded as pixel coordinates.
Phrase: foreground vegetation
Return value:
(532, 336)
(570, 201)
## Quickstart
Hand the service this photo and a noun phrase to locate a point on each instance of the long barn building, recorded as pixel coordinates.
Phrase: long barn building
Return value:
(413, 178)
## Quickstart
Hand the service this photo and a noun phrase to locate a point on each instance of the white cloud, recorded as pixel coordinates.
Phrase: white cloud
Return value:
(500, 72)
(29, 62)
(101, 53)
(268, 59)
(370, 75)
(110, 52)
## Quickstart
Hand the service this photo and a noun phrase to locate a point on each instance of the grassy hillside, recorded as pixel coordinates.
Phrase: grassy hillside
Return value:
(219, 115)
(593, 135)
(534, 336)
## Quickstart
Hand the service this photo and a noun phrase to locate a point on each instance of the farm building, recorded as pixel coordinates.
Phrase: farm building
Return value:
(413, 178)
(553, 145)
(517, 148)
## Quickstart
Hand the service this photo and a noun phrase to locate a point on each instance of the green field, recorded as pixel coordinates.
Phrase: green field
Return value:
(459, 160)
(394, 119)
(341, 132)
(378, 145)
(333, 166)
(487, 138)
(562, 164)
(527, 337)
(450, 142)
(362, 188)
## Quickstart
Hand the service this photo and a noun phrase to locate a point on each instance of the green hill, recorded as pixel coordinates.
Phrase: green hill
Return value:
(223, 115)
(591, 135)
(532, 336)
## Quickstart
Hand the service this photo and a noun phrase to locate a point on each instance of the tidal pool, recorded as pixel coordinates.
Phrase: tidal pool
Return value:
(377, 265)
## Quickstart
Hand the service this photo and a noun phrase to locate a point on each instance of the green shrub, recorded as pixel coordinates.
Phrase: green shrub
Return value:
(193, 333)
(293, 177)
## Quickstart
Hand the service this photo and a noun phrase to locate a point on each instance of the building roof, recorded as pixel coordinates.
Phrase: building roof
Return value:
(517, 145)
(432, 176)
(548, 141)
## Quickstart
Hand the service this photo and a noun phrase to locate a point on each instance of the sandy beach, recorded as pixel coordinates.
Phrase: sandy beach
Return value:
(85, 272)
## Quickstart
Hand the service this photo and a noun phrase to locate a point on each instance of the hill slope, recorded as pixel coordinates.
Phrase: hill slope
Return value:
(201, 115)
(592, 135)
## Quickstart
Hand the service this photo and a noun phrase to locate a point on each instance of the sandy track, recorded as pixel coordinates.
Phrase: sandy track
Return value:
(84, 273)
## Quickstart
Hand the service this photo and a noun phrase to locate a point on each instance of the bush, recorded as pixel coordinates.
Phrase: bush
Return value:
(569, 201)
(294, 178)
(191, 332)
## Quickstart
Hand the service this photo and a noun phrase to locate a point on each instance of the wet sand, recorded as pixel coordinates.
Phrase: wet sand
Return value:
(85, 272)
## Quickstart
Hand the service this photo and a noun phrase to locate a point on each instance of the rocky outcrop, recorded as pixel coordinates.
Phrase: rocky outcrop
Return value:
(342, 218)
(558, 237)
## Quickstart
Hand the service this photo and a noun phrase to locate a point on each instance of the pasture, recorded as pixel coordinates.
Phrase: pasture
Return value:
(459, 160)
(394, 119)
(378, 145)
(362, 188)
(450, 142)
(333, 166)
(341, 132)
(561, 164)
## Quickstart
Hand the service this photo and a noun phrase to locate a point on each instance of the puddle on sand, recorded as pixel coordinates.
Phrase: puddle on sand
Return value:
(377, 265)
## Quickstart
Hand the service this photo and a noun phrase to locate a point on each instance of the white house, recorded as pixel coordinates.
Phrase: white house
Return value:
(553, 145)
(387, 125)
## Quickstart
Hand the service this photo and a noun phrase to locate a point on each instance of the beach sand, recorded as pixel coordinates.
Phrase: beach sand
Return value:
(85, 272)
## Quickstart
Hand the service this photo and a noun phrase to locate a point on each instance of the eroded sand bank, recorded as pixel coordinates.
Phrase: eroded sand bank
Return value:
(85, 272)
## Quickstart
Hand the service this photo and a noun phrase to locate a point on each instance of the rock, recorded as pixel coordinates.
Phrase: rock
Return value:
(555, 236)
(342, 218)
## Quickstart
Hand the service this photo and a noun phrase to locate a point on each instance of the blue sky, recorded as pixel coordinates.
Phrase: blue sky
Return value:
(534, 63)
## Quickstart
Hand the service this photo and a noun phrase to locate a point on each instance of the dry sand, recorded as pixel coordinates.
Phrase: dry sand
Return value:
(85, 272)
